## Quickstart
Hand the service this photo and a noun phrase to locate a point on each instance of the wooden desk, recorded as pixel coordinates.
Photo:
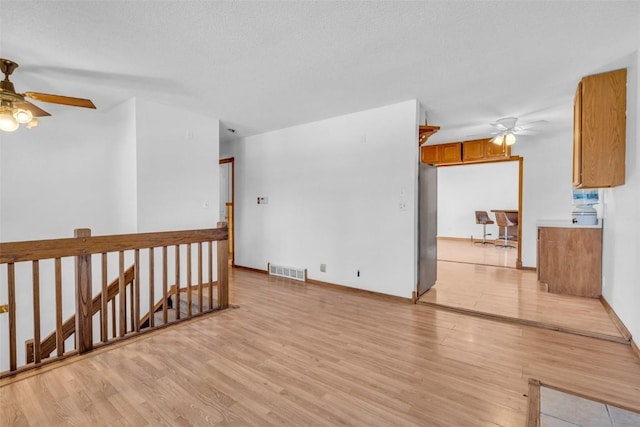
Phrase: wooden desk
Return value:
(513, 217)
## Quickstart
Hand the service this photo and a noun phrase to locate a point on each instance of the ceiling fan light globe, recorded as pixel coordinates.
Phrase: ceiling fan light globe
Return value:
(33, 123)
(510, 139)
(498, 140)
(8, 123)
(22, 116)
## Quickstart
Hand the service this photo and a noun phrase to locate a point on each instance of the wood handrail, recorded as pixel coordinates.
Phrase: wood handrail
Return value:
(48, 345)
(124, 293)
(59, 248)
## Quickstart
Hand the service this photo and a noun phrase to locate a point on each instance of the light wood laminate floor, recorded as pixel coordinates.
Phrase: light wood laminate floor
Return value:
(299, 354)
(466, 251)
(517, 295)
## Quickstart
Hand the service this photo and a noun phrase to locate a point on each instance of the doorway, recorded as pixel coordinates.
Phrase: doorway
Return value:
(492, 187)
(227, 206)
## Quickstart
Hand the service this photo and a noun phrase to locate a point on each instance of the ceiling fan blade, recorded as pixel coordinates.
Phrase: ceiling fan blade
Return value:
(488, 135)
(531, 124)
(35, 110)
(59, 99)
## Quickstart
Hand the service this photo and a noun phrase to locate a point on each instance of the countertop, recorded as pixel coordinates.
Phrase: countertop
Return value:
(559, 223)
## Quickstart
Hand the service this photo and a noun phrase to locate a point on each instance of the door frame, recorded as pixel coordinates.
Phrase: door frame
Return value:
(233, 203)
(520, 161)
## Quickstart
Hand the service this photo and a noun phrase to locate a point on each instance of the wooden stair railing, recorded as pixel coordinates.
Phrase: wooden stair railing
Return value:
(48, 345)
(182, 258)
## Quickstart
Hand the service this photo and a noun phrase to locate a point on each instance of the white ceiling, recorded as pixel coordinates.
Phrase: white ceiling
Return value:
(260, 66)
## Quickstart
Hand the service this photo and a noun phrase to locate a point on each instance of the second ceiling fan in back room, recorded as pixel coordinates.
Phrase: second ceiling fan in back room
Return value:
(506, 130)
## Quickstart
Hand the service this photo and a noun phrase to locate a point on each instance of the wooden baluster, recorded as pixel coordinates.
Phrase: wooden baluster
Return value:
(136, 289)
(11, 279)
(188, 266)
(104, 300)
(114, 316)
(130, 285)
(200, 284)
(177, 285)
(210, 267)
(223, 270)
(59, 334)
(37, 353)
(122, 291)
(165, 314)
(84, 309)
(152, 297)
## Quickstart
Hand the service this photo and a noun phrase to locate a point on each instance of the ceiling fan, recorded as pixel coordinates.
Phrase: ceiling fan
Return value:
(506, 130)
(15, 110)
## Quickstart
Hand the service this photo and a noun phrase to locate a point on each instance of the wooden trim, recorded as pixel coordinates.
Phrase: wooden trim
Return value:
(255, 270)
(360, 291)
(82, 246)
(456, 238)
(588, 397)
(414, 296)
(520, 183)
(615, 319)
(634, 348)
(533, 409)
(232, 160)
(527, 268)
(526, 322)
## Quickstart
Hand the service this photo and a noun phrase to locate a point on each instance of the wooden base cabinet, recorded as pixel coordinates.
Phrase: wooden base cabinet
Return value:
(570, 260)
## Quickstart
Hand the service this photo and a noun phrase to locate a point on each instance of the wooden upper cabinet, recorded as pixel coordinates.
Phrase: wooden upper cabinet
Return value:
(429, 154)
(441, 154)
(493, 150)
(600, 130)
(480, 150)
(473, 150)
(451, 153)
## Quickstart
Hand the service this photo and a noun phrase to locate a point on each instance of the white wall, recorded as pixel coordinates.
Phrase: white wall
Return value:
(117, 171)
(621, 233)
(53, 179)
(58, 177)
(546, 187)
(177, 167)
(122, 142)
(462, 190)
(334, 188)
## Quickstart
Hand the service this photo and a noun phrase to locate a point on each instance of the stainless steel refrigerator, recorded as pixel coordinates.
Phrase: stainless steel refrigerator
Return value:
(427, 227)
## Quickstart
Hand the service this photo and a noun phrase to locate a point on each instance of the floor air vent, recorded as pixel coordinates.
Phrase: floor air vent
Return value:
(288, 272)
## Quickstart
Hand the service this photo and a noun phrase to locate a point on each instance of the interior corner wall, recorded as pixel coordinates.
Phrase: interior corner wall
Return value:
(123, 176)
(462, 190)
(334, 190)
(177, 165)
(621, 224)
(57, 177)
(547, 185)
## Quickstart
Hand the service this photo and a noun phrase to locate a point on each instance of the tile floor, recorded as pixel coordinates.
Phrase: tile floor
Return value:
(558, 409)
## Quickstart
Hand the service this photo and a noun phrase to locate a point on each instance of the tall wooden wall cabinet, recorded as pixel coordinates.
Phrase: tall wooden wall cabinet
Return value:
(599, 130)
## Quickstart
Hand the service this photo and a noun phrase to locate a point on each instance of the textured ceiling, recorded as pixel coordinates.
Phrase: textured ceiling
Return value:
(260, 66)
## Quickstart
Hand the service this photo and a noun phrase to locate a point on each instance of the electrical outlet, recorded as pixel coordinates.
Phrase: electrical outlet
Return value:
(402, 206)
(323, 268)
